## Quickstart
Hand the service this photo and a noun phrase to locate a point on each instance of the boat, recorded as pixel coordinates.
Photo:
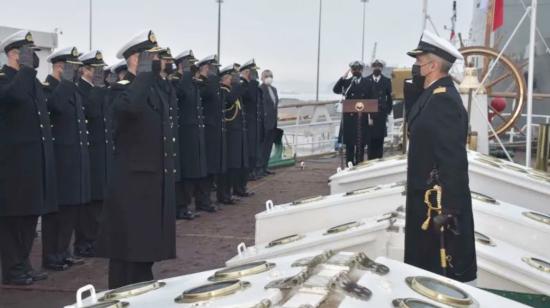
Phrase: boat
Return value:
(309, 279)
(501, 179)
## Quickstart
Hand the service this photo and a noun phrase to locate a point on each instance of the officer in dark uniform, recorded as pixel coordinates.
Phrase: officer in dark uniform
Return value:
(214, 122)
(191, 126)
(27, 166)
(251, 99)
(231, 108)
(271, 104)
(138, 219)
(71, 156)
(92, 89)
(119, 70)
(355, 87)
(438, 127)
(237, 136)
(382, 90)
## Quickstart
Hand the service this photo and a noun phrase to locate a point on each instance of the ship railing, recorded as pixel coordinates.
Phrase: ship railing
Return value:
(316, 132)
(517, 133)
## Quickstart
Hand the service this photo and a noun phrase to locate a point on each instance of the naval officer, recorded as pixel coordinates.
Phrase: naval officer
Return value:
(72, 159)
(382, 91)
(438, 127)
(138, 219)
(354, 87)
(27, 166)
(192, 146)
(94, 98)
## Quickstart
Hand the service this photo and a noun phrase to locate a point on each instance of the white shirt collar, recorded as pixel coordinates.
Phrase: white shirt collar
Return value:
(89, 82)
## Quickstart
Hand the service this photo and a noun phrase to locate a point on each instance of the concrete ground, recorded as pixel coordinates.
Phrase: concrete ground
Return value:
(202, 244)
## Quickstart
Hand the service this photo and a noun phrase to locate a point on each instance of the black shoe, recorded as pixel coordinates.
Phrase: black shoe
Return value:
(72, 260)
(208, 208)
(269, 172)
(54, 266)
(244, 194)
(186, 214)
(36, 275)
(87, 251)
(19, 280)
(228, 202)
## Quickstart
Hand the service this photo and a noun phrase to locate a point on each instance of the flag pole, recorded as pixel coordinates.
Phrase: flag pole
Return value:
(530, 81)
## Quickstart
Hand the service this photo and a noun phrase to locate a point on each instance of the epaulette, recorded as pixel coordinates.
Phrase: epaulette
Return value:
(173, 77)
(123, 82)
(439, 90)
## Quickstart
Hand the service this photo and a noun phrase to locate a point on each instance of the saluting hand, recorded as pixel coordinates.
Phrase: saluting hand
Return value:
(346, 74)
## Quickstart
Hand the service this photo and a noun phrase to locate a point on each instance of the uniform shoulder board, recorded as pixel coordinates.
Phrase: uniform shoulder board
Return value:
(440, 90)
(173, 77)
(123, 82)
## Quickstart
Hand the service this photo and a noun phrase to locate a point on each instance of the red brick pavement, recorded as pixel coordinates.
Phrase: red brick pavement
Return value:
(202, 244)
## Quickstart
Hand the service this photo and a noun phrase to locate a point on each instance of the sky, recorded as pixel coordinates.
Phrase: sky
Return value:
(280, 34)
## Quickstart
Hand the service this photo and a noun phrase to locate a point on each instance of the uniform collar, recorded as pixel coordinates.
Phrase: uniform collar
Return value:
(51, 81)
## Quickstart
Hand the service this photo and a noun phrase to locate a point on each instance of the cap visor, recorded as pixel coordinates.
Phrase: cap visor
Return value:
(415, 52)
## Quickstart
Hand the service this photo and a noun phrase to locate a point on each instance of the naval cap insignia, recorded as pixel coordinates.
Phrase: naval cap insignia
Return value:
(152, 37)
(28, 37)
(359, 106)
(98, 56)
(74, 52)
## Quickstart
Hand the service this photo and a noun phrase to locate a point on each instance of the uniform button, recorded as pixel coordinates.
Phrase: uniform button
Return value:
(86, 121)
(174, 170)
(51, 125)
(41, 126)
(106, 130)
(88, 143)
(165, 154)
(39, 113)
(164, 138)
(87, 132)
(174, 154)
(78, 120)
(49, 113)
(80, 143)
(173, 139)
(53, 138)
(165, 171)
(43, 139)
(104, 119)
(106, 141)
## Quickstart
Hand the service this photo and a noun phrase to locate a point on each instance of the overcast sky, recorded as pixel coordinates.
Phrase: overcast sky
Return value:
(279, 34)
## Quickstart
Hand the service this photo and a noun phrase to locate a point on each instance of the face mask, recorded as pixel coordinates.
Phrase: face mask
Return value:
(417, 78)
(69, 72)
(35, 60)
(169, 68)
(376, 72)
(268, 81)
(156, 67)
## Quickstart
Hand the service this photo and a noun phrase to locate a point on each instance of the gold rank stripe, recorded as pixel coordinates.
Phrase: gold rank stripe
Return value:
(440, 90)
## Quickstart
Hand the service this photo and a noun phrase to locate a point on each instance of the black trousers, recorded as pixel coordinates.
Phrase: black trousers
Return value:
(239, 180)
(268, 146)
(16, 238)
(375, 148)
(223, 187)
(354, 153)
(57, 230)
(189, 189)
(87, 225)
(123, 272)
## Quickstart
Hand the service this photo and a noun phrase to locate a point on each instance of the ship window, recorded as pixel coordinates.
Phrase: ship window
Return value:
(133, 290)
(439, 291)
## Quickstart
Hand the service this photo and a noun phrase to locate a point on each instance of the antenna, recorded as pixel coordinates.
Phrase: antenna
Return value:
(373, 56)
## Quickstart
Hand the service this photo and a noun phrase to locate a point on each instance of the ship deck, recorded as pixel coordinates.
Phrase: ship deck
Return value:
(203, 244)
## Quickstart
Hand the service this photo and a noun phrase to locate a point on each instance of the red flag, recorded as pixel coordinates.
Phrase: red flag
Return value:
(498, 17)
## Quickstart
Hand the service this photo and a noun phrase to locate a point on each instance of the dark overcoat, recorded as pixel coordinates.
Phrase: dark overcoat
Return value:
(27, 167)
(438, 127)
(191, 127)
(72, 160)
(138, 222)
